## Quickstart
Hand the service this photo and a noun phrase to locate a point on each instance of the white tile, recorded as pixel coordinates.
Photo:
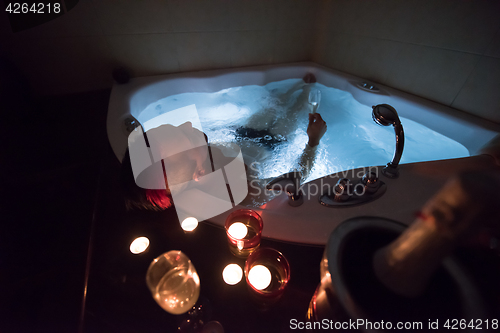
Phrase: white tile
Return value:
(294, 45)
(253, 15)
(203, 50)
(494, 47)
(133, 16)
(321, 40)
(146, 54)
(324, 11)
(480, 94)
(252, 48)
(297, 14)
(338, 51)
(81, 20)
(385, 19)
(64, 65)
(467, 26)
(370, 58)
(366, 57)
(199, 15)
(433, 73)
(343, 16)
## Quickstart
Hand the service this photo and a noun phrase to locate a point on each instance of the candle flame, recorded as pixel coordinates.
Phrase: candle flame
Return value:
(259, 277)
(232, 274)
(139, 245)
(238, 230)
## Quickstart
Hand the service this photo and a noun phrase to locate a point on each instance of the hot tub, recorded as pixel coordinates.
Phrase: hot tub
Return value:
(312, 223)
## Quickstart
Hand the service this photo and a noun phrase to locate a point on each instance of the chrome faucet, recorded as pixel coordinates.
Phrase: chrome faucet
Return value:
(386, 115)
(295, 196)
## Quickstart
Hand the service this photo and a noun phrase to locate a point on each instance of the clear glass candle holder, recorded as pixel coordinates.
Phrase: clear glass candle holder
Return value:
(267, 274)
(244, 231)
(173, 282)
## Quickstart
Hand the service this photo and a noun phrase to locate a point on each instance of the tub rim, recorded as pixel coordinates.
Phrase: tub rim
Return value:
(135, 96)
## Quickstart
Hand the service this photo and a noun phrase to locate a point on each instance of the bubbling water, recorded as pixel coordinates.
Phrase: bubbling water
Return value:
(279, 111)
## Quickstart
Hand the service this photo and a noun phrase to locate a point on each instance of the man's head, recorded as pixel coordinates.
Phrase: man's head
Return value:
(180, 152)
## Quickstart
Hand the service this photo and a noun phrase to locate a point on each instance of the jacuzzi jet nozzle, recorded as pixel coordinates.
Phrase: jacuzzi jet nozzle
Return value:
(386, 115)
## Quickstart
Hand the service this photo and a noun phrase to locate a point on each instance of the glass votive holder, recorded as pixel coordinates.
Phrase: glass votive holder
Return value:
(244, 231)
(267, 273)
(173, 282)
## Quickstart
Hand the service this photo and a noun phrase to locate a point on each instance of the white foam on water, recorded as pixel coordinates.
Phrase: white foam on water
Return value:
(352, 140)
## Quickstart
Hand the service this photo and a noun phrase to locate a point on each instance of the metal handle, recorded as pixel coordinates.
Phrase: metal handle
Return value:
(291, 178)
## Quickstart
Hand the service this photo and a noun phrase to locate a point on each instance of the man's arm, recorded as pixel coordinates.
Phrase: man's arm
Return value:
(315, 130)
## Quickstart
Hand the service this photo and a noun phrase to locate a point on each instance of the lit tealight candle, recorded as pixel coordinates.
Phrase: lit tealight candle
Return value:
(259, 277)
(232, 274)
(189, 224)
(237, 230)
(139, 245)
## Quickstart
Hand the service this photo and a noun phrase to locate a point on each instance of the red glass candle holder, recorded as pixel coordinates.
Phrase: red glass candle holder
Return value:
(267, 284)
(244, 231)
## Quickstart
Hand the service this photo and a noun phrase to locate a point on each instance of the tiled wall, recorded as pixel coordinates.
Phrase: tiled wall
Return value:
(78, 51)
(444, 50)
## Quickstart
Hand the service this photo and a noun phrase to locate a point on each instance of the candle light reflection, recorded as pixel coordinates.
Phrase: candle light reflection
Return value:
(139, 245)
(189, 224)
